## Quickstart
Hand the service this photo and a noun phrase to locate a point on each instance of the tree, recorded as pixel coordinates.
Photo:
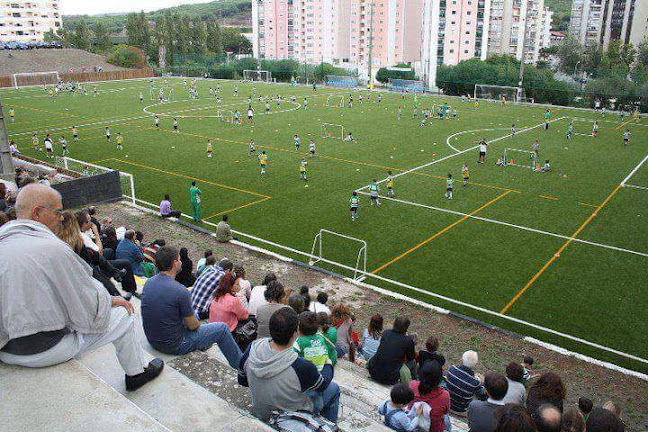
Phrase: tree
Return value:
(642, 52)
(103, 39)
(82, 36)
(214, 38)
(570, 53)
(199, 37)
(137, 30)
(126, 56)
(233, 41)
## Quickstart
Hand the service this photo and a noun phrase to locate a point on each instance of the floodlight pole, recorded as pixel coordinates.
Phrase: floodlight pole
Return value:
(371, 13)
(5, 152)
(524, 37)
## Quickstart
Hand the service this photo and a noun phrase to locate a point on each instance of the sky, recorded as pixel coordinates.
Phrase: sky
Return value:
(94, 7)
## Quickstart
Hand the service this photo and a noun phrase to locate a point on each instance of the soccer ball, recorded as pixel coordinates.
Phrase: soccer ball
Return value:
(126, 155)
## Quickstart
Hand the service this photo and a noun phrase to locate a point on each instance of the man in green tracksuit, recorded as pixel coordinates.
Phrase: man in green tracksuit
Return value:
(194, 194)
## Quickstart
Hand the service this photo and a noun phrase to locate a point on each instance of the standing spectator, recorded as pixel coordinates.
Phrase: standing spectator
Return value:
(170, 323)
(203, 261)
(257, 298)
(223, 230)
(463, 385)
(242, 286)
(343, 321)
(371, 337)
(572, 421)
(514, 418)
(296, 302)
(226, 307)
(430, 352)
(427, 390)
(195, 194)
(165, 208)
(547, 418)
(206, 285)
(129, 249)
(319, 305)
(278, 379)
(481, 414)
(602, 420)
(329, 333)
(394, 361)
(274, 295)
(548, 389)
(516, 393)
(65, 312)
(186, 277)
(394, 410)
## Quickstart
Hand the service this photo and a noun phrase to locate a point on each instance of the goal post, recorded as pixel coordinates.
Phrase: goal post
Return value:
(412, 86)
(164, 93)
(334, 131)
(257, 75)
(86, 169)
(520, 158)
(335, 101)
(317, 253)
(35, 78)
(226, 116)
(499, 93)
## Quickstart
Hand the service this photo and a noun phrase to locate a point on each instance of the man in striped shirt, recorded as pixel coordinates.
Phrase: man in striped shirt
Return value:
(206, 284)
(463, 385)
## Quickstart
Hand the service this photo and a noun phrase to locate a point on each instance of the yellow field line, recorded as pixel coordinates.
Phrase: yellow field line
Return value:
(557, 254)
(42, 110)
(237, 208)
(588, 205)
(191, 178)
(549, 197)
(623, 124)
(439, 233)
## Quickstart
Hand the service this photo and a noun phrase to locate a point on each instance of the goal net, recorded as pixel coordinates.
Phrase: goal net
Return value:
(257, 75)
(499, 93)
(335, 101)
(87, 169)
(341, 81)
(164, 93)
(35, 79)
(342, 251)
(330, 130)
(520, 158)
(411, 86)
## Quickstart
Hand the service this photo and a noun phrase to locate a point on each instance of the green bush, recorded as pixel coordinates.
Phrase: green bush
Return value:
(383, 75)
(126, 56)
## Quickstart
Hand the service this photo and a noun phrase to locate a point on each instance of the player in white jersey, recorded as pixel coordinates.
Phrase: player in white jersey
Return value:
(63, 143)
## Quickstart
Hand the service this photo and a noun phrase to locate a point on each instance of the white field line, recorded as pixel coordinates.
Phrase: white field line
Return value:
(459, 153)
(586, 120)
(520, 227)
(625, 180)
(465, 132)
(635, 186)
(295, 107)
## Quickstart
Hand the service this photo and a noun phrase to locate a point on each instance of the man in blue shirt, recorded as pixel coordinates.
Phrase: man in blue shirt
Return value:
(129, 250)
(170, 323)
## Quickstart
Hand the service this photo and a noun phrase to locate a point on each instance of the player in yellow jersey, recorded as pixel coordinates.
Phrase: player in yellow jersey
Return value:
(120, 141)
(390, 184)
(75, 133)
(209, 148)
(476, 105)
(12, 115)
(34, 141)
(263, 160)
(302, 169)
(635, 114)
(465, 173)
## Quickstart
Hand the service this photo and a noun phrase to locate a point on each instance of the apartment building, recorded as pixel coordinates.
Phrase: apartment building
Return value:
(28, 21)
(598, 22)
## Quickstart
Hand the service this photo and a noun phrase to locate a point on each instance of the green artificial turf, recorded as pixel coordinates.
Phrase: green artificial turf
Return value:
(598, 294)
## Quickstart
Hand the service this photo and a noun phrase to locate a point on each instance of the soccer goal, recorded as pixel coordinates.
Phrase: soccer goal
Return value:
(411, 86)
(330, 130)
(35, 78)
(499, 93)
(226, 116)
(165, 93)
(520, 158)
(335, 101)
(341, 81)
(257, 75)
(344, 242)
(87, 169)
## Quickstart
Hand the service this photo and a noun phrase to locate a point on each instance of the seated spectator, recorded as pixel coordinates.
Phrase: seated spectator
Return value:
(430, 352)
(613, 408)
(527, 364)
(602, 420)
(203, 262)
(572, 421)
(395, 412)
(75, 313)
(547, 418)
(320, 304)
(242, 286)
(257, 298)
(514, 418)
(516, 393)
(223, 231)
(150, 250)
(205, 286)
(186, 277)
(86, 226)
(585, 406)
(226, 307)
(169, 321)
(274, 295)
(371, 337)
(303, 291)
(394, 360)
(548, 389)
(3, 218)
(165, 208)
(129, 249)
(329, 333)
(109, 242)
(342, 320)
(3, 196)
(296, 302)
(428, 390)
(481, 414)
(278, 378)
(94, 218)
(463, 385)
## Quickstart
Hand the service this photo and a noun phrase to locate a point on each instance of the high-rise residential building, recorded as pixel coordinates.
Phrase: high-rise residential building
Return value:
(519, 27)
(586, 19)
(453, 30)
(28, 21)
(598, 22)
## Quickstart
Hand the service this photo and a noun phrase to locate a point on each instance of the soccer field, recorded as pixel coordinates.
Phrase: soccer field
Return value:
(565, 250)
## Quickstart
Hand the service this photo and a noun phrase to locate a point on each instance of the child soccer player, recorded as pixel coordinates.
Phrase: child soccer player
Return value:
(235, 91)
(157, 122)
(349, 137)
(237, 117)
(570, 130)
(250, 114)
(141, 95)
(390, 184)
(547, 118)
(95, 91)
(75, 133)
(536, 148)
(311, 346)
(12, 115)
(546, 167)
(513, 130)
(626, 137)
(398, 113)
(311, 147)
(263, 160)
(267, 107)
(107, 134)
(34, 141)
(209, 148)
(302, 169)
(395, 410)
(252, 148)
(379, 98)
(49, 148)
(595, 129)
(305, 104)
(476, 105)
(120, 141)
(219, 102)
(373, 190)
(297, 142)
(175, 125)
(423, 119)
(354, 201)
(360, 99)
(454, 113)
(449, 186)
(465, 173)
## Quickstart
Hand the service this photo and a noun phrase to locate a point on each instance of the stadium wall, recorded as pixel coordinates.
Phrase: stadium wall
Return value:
(7, 81)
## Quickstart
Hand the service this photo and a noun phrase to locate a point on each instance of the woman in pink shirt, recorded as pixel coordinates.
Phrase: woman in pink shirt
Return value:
(226, 307)
(427, 390)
